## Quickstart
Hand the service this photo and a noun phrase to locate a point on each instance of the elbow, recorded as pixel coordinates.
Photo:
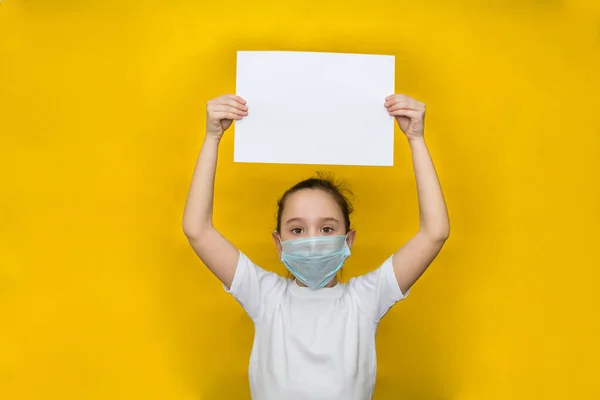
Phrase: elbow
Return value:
(442, 234)
(438, 238)
(194, 231)
(439, 235)
(190, 233)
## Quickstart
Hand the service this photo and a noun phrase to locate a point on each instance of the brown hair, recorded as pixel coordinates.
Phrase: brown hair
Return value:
(326, 183)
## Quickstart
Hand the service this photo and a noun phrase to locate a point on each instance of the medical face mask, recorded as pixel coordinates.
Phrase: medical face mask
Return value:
(315, 260)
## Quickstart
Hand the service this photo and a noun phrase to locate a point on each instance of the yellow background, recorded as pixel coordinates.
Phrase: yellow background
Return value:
(101, 119)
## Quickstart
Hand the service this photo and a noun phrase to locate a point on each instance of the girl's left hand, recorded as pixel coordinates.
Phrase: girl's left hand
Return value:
(409, 113)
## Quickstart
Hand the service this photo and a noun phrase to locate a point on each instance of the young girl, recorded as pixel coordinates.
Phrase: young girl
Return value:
(314, 336)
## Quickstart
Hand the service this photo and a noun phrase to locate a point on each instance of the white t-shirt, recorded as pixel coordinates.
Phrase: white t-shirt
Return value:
(313, 344)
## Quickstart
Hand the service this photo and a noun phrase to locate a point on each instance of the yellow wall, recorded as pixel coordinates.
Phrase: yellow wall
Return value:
(101, 118)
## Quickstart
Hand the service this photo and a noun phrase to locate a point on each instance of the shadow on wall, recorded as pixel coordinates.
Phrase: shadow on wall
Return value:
(225, 387)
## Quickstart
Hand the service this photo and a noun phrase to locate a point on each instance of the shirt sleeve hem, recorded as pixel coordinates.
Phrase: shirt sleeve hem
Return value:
(240, 270)
(391, 277)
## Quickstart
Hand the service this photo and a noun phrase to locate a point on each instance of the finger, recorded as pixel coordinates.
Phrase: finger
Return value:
(406, 106)
(236, 98)
(395, 98)
(228, 115)
(228, 101)
(412, 114)
(229, 109)
(407, 102)
(236, 104)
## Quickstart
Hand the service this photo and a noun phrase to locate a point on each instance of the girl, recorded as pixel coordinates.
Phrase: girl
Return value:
(314, 336)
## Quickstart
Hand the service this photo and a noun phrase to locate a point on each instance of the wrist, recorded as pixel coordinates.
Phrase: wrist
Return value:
(211, 138)
(416, 141)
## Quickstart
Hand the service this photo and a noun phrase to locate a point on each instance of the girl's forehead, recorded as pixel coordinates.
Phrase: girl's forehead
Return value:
(311, 202)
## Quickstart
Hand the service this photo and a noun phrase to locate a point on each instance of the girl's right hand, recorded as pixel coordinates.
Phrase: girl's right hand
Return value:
(221, 112)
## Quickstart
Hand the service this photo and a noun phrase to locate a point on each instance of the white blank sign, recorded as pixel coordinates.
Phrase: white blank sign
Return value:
(315, 108)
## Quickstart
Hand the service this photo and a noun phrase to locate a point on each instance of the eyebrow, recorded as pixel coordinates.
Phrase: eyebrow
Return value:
(297, 219)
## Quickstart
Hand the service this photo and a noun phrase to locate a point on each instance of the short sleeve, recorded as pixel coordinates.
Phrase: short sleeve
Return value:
(378, 290)
(253, 287)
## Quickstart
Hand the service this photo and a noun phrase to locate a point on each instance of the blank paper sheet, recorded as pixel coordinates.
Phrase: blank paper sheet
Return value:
(315, 108)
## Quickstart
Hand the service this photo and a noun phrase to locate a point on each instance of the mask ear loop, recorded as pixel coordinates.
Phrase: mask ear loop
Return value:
(290, 275)
(338, 275)
(346, 239)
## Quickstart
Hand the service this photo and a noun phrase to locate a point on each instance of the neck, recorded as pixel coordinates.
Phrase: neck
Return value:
(331, 283)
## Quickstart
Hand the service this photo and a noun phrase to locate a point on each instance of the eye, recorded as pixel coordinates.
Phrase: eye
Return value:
(296, 231)
(327, 229)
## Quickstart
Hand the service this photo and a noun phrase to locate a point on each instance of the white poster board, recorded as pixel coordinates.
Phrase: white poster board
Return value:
(315, 108)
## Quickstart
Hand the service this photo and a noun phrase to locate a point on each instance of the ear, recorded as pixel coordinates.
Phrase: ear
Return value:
(350, 237)
(277, 241)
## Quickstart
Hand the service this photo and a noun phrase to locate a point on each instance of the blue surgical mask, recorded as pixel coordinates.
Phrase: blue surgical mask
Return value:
(315, 260)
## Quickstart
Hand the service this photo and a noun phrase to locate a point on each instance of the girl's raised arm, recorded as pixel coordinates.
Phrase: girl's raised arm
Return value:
(215, 251)
(412, 259)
